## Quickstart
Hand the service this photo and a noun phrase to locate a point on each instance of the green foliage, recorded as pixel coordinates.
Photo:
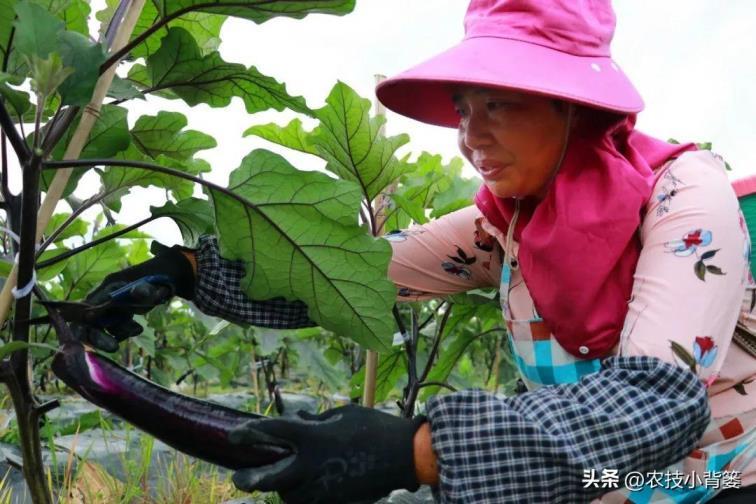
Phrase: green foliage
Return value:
(60, 59)
(334, 267)
(192, 216)
(425, 180)
(109, 136)
(299, 234)
(78, 227)
(392, 367)
(348, 138)
(18, 100)
(162, 135)
(180, 66)
(117, 180)
(204, 27)
(259, 11)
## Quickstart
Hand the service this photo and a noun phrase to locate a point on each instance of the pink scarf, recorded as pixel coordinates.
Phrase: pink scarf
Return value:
(579, 246)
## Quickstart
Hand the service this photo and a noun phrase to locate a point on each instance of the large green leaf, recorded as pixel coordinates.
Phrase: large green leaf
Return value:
(422, 181)
(74, 13)
(116, 179)
(18, 101)
(36, 30)
(180, 66)
(39, 33)
(260, 11)
(350, 140)
(85, 58)
(298, 236)
(459, 195)
(88, 268)
(161, 134)
(193, 217)
(204, 27)
(50, 272)
(347, 138)
(122, 89)
(78, 227)
(292, 135)
(109, 135)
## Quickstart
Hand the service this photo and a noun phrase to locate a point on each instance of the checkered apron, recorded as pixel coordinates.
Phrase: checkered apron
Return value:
(541, 360)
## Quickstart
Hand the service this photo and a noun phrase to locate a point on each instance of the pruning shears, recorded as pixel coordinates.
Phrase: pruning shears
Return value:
(120, 305)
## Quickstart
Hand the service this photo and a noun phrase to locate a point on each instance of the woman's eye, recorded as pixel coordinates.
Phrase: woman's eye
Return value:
(460, 111)
(497, 105)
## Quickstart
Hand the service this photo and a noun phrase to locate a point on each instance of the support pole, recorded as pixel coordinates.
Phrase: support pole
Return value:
(75, 146)
(379, 206)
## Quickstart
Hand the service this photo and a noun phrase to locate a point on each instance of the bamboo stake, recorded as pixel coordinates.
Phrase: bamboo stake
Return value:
(255, 379)
(379, 206)
(78, 140)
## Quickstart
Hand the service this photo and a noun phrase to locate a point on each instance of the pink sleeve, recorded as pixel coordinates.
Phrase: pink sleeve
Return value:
(448, 255)
(692, 271)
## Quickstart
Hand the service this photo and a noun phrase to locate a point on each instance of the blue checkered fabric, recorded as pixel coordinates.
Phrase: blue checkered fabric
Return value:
(635, 414)
(218, 293)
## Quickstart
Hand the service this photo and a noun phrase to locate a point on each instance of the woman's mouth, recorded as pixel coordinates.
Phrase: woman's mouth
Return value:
(491, 170)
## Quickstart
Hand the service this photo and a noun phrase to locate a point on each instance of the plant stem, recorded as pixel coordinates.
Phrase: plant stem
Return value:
(432, 315)
(8, 47)
(436, 342)
(85, 205)
(437, 384)
(27, 411)
(41, 100)
(69, 253)
(56, 128)
(16, 140)
(164, 21)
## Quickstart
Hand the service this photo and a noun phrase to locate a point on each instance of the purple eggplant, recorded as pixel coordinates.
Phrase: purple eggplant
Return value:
(195, 427)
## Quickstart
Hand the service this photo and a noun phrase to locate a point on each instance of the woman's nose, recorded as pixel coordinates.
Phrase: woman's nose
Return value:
(475, 132)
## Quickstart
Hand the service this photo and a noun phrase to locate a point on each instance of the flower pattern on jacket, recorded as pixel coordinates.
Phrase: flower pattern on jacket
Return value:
(689, 245)
(459, 266)
(669, 190)
(704, 354)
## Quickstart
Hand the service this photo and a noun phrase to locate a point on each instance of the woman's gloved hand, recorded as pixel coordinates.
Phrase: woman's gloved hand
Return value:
(347, 454)
(170, 264)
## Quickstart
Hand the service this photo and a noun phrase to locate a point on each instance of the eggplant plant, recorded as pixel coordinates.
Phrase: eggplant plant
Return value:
(302, 235)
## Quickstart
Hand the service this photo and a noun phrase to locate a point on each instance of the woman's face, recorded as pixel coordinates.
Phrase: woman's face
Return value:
(514, 140)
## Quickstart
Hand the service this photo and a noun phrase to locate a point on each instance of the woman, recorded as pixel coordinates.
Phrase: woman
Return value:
(578, 213)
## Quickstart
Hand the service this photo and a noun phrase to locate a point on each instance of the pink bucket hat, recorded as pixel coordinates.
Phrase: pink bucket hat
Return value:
(556, 48)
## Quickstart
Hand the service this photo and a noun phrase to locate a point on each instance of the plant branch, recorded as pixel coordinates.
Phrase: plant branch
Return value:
(80, 163)
(4, 189)
(427, 321)
(74, 147)
(24, 402)
(8, 47)
(436, 343)
(371, 218)
(437, 384)
(164, 21)
(16, 140)
(41, 100)
(56, 128)
(111, 236)
(85, 205)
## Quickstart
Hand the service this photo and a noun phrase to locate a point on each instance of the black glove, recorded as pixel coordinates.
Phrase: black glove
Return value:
(170, 264)
(347, 454)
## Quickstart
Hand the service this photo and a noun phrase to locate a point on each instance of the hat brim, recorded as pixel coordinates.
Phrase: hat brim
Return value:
(424, 91)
